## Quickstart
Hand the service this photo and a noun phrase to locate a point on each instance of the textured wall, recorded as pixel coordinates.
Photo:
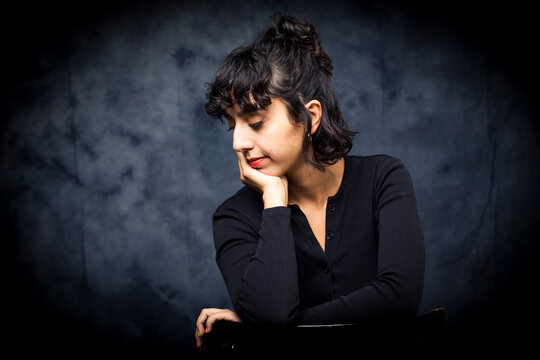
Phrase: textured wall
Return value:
(110, 169)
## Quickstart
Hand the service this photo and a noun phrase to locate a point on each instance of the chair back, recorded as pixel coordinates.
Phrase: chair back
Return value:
(416, 335)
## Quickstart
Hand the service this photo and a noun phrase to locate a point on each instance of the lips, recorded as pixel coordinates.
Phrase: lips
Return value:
(256, 161)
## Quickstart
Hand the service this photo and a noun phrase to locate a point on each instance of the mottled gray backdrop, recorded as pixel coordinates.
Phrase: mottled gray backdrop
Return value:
(110, 168)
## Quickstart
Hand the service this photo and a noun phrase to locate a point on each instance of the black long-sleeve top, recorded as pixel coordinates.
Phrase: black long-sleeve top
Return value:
(372, 267)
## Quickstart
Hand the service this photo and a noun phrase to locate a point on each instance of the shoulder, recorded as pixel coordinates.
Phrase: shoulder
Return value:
(381, 173)
(374, 166)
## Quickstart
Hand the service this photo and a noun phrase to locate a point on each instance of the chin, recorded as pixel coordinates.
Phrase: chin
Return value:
(270, 172)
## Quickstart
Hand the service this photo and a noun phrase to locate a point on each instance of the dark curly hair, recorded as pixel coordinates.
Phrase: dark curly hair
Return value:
(288, 63)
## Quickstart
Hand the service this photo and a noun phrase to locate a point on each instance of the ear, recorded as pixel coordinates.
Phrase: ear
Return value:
(315, 109)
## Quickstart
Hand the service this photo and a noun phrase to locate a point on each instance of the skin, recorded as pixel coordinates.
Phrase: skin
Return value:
(282, 177)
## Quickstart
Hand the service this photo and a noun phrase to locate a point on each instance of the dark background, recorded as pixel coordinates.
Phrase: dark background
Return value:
(110, 168)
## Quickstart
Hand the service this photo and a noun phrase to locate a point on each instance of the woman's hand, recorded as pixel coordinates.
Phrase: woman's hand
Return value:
(208, 317)
(274, 189)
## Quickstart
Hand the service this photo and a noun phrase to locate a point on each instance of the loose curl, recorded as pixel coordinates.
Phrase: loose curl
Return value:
(289, 63)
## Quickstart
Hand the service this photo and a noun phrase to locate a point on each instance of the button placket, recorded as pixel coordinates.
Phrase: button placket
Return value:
(331, 207)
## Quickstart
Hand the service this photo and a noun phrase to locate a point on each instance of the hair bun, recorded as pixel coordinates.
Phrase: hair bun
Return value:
(287, 27)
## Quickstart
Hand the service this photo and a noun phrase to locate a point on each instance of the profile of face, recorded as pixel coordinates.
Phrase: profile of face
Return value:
(267, 138)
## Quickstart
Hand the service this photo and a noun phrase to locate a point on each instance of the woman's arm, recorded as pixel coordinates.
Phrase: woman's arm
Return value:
(397, 291)
(259, 267)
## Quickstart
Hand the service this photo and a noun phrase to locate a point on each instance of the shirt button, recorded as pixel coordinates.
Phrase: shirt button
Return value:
(330, 236)
(326, 269)
(331, 207)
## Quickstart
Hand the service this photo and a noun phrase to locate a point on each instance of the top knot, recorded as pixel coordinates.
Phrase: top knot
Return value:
(286, 26)
(302, 33)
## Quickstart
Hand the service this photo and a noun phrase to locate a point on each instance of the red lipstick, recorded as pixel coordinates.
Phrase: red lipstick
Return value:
(256, 161)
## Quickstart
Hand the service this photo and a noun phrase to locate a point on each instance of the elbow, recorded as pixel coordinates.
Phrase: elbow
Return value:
(396, 307)
(407, 300)
(408, 307)
(403, 300)
(276, 313)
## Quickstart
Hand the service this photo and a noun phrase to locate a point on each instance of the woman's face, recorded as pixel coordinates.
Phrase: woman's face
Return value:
(267, 138)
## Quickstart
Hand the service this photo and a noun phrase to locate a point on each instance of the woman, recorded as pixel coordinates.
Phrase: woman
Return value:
(316, 236)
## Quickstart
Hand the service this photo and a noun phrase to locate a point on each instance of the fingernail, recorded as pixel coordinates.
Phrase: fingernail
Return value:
(206, 330)
(198, 334)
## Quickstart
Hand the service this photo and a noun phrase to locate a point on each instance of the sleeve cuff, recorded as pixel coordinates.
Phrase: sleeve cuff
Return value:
(277, 211)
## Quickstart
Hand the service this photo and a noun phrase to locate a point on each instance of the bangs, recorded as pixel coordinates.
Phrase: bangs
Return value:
(243, 79)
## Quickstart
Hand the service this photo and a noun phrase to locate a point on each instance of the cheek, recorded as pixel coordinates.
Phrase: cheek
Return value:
(296, 142)
(287, 150)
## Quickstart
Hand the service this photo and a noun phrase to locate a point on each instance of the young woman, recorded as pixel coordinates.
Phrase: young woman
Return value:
(316, 236)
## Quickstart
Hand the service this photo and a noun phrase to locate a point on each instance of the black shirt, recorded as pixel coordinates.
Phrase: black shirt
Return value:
(373, 264)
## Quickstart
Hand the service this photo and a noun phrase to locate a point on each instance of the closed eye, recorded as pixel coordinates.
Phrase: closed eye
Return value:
(256, 125)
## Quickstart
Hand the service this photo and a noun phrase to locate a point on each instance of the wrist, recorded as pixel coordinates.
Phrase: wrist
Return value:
(270, 204)
(274, 197)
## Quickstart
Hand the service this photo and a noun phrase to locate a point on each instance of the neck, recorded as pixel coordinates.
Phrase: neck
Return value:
(309, 185)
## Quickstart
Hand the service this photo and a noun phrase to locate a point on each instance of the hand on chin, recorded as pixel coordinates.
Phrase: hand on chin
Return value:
(273, 188)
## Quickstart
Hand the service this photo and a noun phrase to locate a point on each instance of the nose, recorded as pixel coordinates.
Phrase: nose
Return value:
(241, 139)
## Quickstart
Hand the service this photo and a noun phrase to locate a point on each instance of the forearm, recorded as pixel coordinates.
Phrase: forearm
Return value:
(262, 280)
(374, 302)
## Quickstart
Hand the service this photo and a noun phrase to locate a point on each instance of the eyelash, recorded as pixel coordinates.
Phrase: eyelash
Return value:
(256, 125)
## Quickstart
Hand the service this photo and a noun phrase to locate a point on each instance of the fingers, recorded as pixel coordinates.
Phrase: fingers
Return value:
(207, 319)
(241, 166)
(201, 320)
(198, 339)
(225, 315)
(201, 325)
(244, 167)
(250, 176)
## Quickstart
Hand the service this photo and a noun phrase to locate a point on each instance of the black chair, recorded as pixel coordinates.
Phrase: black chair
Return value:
(413, 336)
